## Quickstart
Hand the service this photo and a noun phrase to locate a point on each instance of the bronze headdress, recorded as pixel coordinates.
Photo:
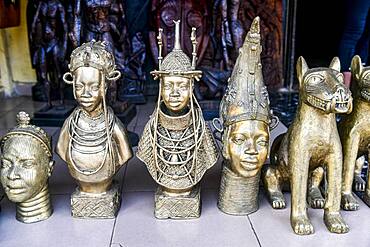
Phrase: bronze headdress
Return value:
(177, 62)
(246, 97)
(25, 128)
(93, 54)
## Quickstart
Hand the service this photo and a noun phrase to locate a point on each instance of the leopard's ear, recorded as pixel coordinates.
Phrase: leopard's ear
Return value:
(356, 67)
(301, 69)
(335, 64)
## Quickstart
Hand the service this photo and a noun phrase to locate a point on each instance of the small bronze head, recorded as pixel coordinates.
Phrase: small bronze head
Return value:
(26, 161)
(323, 88)
(245, 111)
(26, 165)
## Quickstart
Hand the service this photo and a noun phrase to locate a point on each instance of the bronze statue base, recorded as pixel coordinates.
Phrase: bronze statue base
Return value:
(98, 206)
(177, 207)
(238, 195)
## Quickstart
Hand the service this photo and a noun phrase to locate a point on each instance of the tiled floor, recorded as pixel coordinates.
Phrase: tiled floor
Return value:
(136, 225)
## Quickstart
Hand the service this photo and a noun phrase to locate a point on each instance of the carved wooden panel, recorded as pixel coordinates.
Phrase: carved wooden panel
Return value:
(9, 13)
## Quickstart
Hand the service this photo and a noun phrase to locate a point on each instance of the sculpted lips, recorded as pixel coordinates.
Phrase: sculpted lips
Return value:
(249, 162)
(86, 102)
(175, 101)
(15, 189)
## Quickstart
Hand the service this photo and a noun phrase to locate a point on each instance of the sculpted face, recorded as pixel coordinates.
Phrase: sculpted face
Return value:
(25, 168)
(247, 147)
(176, 92)
(88, 91)
(323, 88)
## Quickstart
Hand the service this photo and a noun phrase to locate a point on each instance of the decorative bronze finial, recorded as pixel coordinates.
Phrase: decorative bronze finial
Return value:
(177, 45)
(23, 119)
(194, 42)
(160, 45)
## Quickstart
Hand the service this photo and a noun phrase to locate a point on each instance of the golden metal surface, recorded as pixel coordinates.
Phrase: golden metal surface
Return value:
(26, 165)
(311, 143)
(245, 119)
(177, 145)
(367, 190)
(93, 141)
(355, 135)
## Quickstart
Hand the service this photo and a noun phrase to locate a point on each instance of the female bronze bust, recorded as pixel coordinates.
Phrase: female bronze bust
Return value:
(93, 141)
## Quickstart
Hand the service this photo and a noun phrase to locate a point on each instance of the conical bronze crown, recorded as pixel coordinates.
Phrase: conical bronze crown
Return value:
(246, 97)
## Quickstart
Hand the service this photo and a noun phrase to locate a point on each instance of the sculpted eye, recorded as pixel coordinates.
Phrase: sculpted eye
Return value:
(314, 79)
(167, 86)
(27, 163)
(262, 142)
(238, 139)
(5, 163)
(95, 87)
(184, 86)
(78, 86)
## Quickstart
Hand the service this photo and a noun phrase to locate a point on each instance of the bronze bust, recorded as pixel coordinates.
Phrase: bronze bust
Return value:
(93, 141)
(177, 145)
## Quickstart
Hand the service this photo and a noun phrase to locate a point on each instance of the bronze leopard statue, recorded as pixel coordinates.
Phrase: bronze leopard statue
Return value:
(311, 143)
(355, 136)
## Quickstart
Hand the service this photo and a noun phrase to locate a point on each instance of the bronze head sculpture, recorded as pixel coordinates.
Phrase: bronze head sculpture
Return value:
(246, 120)
(93, 141)
(177, 146)
(355, 136)
(312, 141)
(26, 165)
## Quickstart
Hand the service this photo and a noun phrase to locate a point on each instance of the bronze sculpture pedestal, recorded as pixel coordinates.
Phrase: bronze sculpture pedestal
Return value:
(238, 195)
(96, 205)
(177, 207)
